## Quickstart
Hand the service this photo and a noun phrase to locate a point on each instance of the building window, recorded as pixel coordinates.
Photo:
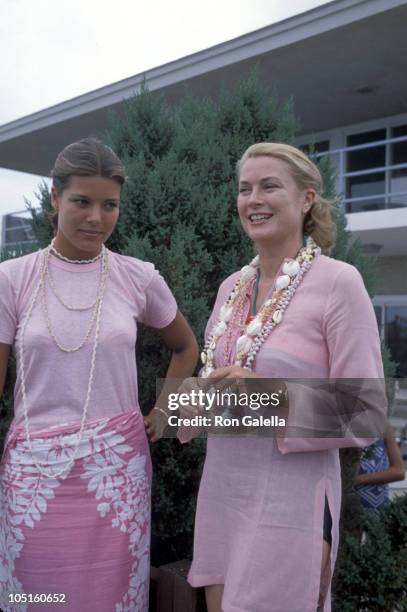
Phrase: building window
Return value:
(396, 336)
(391, 316)
(17, 231)
(398, 177)
(374, 172)
(361, 182)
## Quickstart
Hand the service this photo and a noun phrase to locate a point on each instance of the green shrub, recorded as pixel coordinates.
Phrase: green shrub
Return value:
(371, 573)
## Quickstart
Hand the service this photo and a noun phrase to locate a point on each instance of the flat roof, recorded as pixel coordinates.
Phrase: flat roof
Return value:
(321, 58)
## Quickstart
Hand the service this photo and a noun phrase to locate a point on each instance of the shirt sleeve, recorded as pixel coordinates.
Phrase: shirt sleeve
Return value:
(8, 315)
(160, 307)
(355, 363)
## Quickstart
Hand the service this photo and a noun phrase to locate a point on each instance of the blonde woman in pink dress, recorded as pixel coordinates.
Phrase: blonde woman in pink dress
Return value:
(75, 474)
(266, 531)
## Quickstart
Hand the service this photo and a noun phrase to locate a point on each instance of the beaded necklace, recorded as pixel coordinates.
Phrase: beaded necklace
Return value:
(94, 306)
(75, 261)
(95, 318)
(269, 316)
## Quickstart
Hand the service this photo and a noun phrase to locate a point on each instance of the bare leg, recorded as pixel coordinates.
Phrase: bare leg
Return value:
(325, 573)
(213, 594)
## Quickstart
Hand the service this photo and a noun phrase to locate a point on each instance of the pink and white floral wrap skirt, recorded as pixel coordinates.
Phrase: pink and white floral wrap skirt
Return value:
(86, 535)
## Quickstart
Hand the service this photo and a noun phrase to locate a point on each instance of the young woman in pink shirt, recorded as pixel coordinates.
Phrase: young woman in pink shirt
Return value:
(75, 474)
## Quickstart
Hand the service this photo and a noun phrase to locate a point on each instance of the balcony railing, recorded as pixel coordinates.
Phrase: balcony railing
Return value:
(384, 199)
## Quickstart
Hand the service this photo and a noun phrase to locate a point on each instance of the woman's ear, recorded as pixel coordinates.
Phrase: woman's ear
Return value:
(54, 198)
(309, 200)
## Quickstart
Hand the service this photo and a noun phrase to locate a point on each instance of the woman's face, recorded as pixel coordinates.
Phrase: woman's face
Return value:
(271, 207)
(88, 210)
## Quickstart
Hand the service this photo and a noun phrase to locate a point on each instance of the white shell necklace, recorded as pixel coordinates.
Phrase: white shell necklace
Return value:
(270, 314)
(75, 261)
(44, 263)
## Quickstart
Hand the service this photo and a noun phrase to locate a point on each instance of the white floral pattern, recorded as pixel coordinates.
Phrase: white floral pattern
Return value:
(124, 489)
(120, 483)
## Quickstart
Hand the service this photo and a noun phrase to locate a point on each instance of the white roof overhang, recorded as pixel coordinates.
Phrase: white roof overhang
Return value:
(320, 58)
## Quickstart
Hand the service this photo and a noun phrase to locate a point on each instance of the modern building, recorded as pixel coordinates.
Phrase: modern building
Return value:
(16, 231)
(344, 65)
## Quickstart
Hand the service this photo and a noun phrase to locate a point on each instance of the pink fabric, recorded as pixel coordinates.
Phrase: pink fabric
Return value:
(87, 535)
(56, 382)
(260, 507)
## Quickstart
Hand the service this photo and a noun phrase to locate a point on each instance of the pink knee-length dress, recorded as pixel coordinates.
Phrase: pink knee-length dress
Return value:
(259, 518)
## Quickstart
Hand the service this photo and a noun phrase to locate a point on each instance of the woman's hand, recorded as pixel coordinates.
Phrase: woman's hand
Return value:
(155, 423)
(232, 372)
(195, 388)
(222, 376)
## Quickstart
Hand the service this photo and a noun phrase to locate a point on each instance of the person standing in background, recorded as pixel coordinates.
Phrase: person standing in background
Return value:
(380, 464)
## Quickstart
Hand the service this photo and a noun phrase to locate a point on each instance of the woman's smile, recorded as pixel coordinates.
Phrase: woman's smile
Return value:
(258, 218)
(270, 204)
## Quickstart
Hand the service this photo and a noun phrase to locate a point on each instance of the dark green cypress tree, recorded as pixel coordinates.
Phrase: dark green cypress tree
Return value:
(178, 210)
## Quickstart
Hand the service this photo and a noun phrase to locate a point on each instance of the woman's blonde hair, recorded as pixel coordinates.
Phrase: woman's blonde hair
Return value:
(318, 221)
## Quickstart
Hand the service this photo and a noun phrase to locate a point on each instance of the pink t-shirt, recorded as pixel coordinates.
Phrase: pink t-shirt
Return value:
(56, 382)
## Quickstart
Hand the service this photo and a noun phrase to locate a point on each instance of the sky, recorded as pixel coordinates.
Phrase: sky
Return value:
(53, 51)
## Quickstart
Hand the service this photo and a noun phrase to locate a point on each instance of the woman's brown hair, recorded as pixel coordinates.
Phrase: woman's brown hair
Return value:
(86, 157)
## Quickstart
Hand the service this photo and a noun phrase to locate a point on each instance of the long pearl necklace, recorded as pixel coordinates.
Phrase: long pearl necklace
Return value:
(71, 461)
(60, 299)
(270, 314)
(53, 250)
(101, 289)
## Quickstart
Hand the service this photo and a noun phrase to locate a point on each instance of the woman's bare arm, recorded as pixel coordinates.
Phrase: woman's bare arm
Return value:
(394, 472)
(4, 355)
(179, 338)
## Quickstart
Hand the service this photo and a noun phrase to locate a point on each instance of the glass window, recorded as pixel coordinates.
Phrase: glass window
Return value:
(19, 234)
(365, 159)
(396, 337)
(378, 313)
(362, 186)
(17, 230)
(398, 178)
